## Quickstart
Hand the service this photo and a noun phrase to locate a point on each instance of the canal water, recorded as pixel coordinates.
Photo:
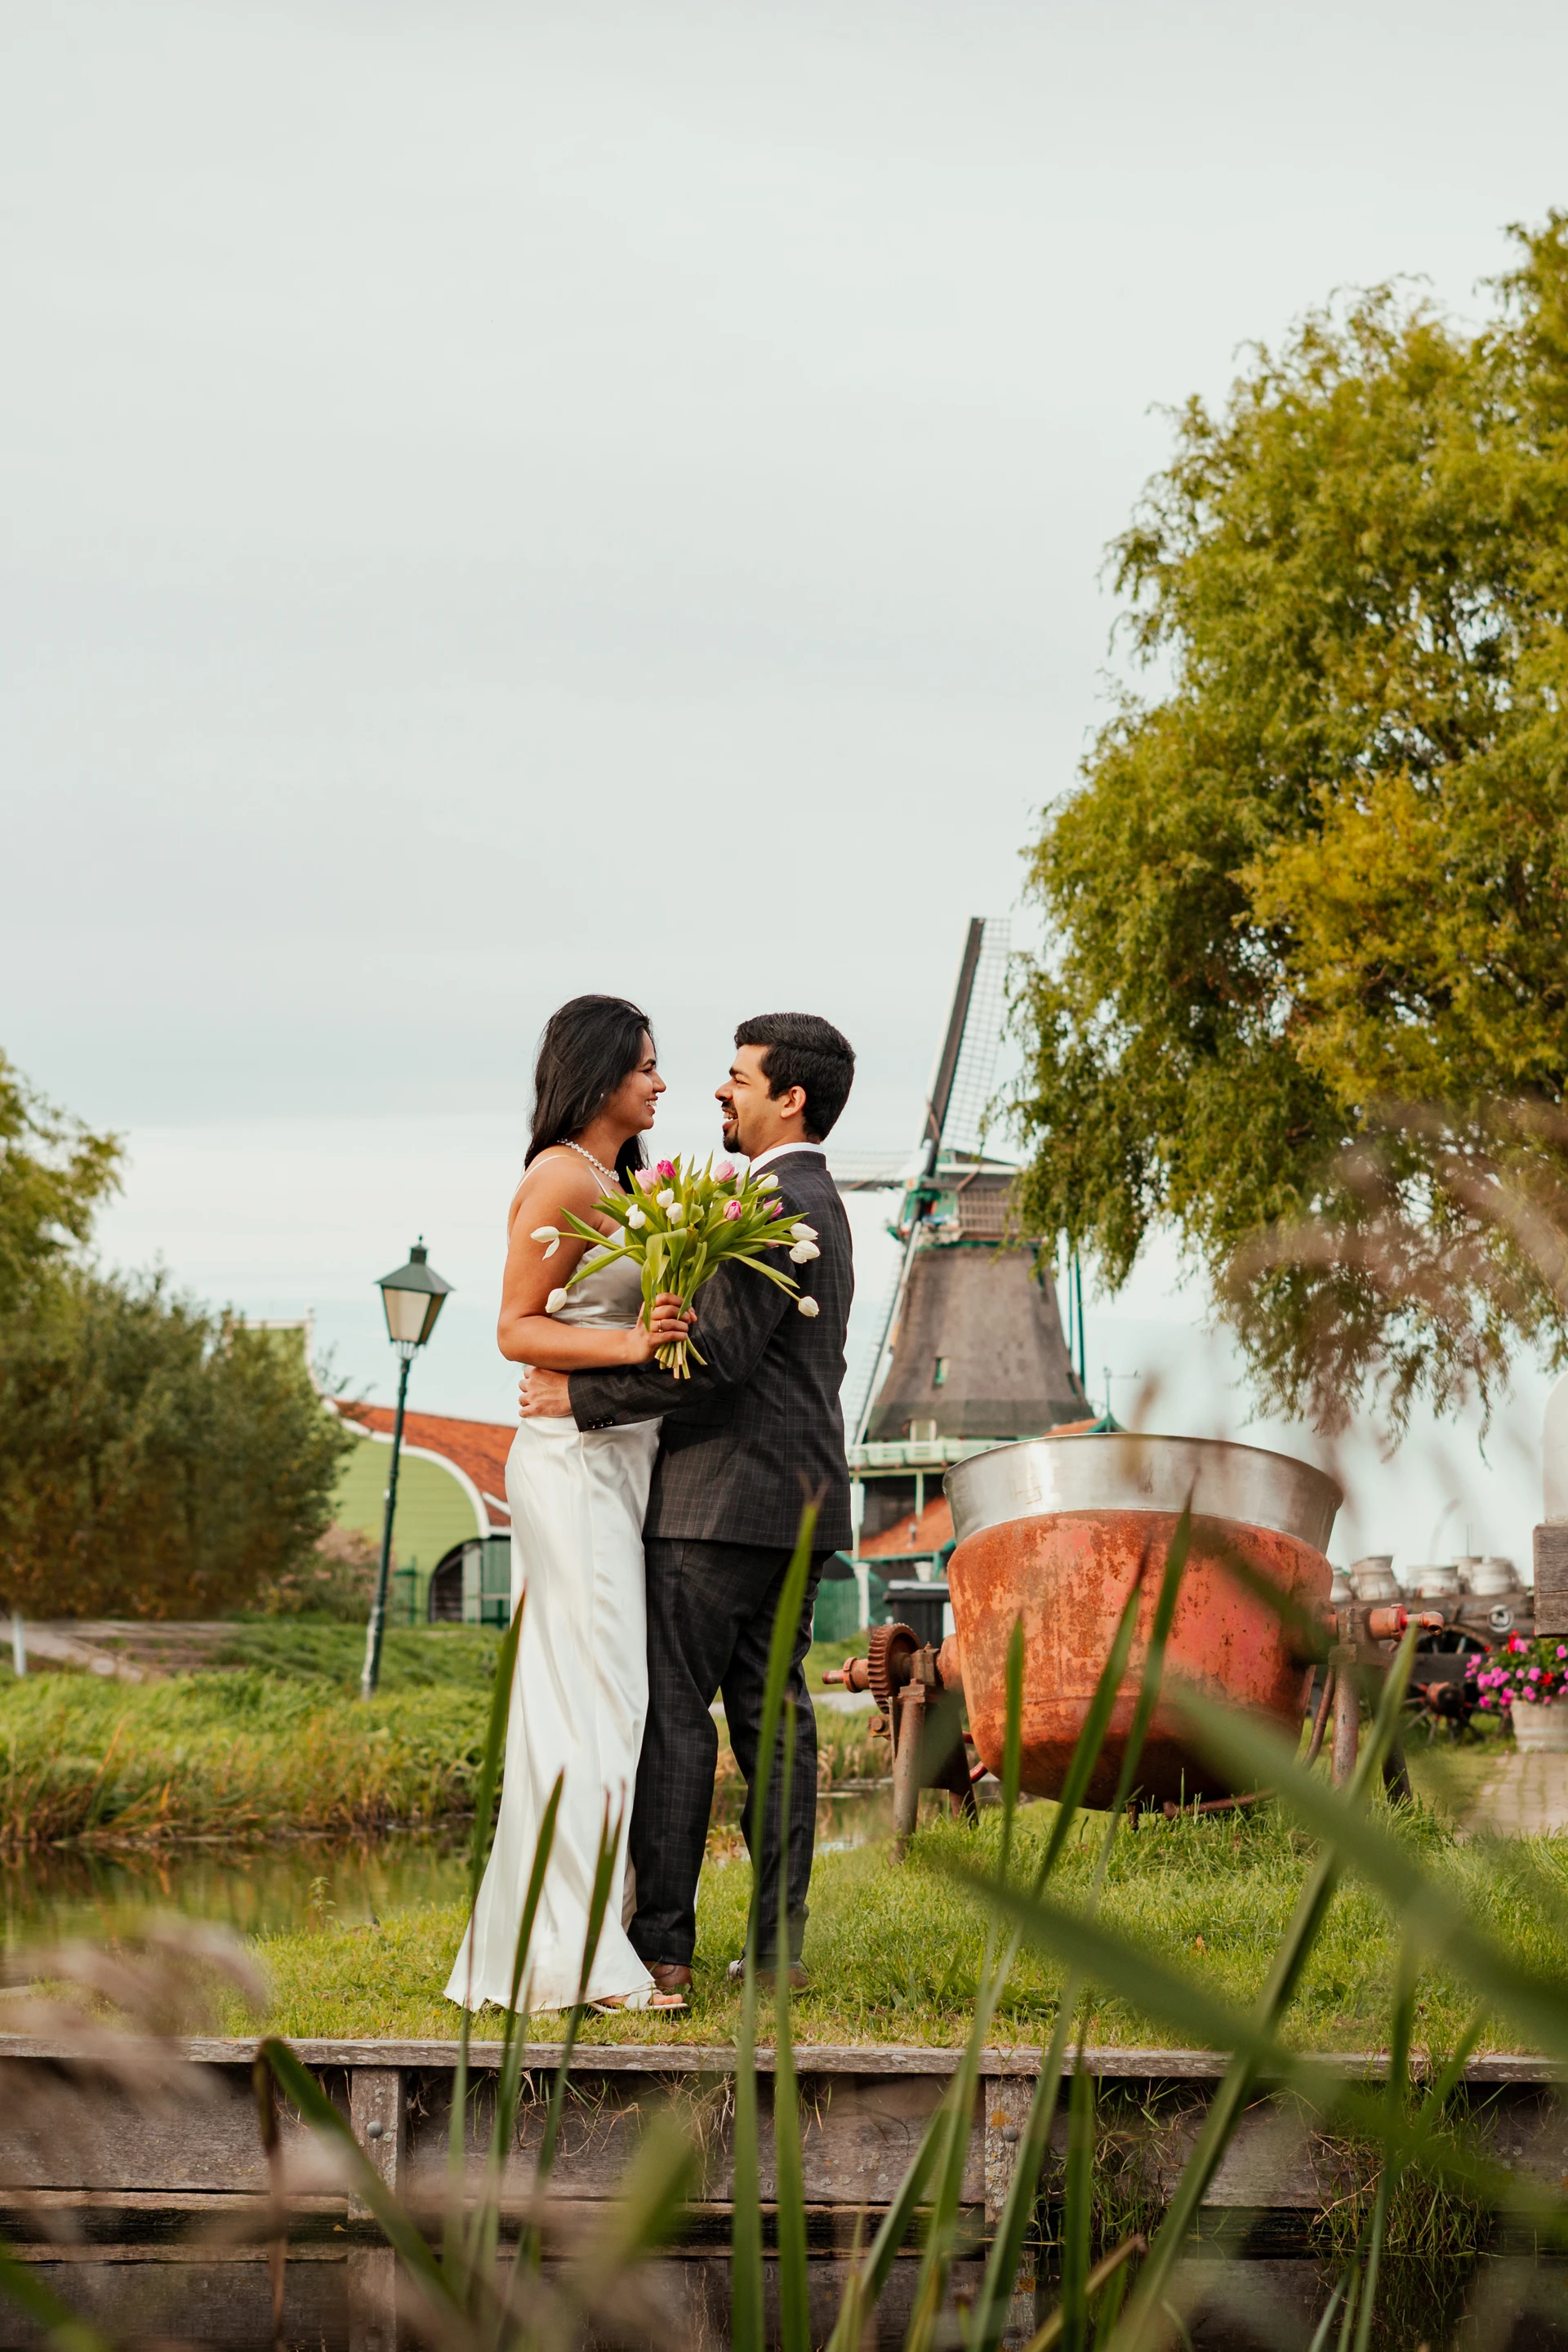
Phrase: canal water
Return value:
(255, 1889)
(291, 1883)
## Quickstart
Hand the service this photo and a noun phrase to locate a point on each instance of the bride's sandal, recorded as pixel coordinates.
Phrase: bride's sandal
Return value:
(617, 2001)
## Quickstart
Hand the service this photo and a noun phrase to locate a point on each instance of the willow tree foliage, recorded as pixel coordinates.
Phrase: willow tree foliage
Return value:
(1305, 998)
(155, 1459)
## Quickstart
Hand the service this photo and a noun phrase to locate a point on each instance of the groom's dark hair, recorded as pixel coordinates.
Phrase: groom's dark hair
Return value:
(803, 1050)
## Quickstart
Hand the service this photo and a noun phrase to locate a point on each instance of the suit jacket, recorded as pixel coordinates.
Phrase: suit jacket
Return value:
(758, 1429)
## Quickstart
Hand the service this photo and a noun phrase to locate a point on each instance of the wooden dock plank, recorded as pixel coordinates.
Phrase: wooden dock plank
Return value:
(1109, 2062)
(71, 2135)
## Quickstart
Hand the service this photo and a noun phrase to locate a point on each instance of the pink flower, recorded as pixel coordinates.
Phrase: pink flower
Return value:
(776, 1210)
(667, 1169)
(732, 1211)
(1535, 1674)
(724, 1172)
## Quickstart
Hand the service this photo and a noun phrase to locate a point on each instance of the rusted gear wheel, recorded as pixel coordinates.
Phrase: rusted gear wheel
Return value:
(889, 1643)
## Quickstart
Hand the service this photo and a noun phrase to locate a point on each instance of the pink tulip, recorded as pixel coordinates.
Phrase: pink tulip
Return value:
(776, 1210)
(725, 1170)
(667, 1169)
(732, 1211)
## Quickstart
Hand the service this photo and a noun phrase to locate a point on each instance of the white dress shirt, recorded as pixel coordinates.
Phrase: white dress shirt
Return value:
(777, 1151)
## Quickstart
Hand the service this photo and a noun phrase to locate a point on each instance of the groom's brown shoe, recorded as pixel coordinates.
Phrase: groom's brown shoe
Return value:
(669, 1976)
(798, 1979)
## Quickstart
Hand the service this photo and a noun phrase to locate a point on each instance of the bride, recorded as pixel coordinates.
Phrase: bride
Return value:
(577, 1498)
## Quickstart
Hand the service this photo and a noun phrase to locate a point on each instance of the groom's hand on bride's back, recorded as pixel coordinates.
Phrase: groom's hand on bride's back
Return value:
(544, 1396)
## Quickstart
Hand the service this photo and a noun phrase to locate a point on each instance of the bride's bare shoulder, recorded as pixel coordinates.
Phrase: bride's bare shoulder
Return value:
(557, 1179)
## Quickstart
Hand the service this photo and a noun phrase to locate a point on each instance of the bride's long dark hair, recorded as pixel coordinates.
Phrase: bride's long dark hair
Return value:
(587, 1049)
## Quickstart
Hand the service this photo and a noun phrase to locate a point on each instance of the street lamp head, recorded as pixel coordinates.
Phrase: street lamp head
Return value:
(411, 1296)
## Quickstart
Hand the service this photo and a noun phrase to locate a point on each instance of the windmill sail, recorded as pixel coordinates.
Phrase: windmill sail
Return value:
(967, 1098)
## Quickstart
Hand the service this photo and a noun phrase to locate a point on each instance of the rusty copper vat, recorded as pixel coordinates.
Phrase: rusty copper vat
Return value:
(1057, 1531)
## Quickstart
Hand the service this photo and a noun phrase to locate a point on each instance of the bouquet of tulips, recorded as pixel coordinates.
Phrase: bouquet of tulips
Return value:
(680, 1224)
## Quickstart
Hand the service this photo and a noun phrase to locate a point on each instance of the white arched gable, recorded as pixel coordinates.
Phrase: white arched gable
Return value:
(442, 1461)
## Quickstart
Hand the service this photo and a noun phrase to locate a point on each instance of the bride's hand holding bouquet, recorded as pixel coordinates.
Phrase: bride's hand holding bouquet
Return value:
(663, 1326)
(680, 1224)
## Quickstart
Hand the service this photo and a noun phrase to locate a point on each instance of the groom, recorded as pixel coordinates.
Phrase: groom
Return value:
(755, 1433)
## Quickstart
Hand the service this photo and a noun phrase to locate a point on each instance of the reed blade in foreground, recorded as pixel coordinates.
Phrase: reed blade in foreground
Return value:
(746, 2228)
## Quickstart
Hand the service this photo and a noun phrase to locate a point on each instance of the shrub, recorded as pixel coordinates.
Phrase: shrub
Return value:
(155, 1460)
(337, 1580)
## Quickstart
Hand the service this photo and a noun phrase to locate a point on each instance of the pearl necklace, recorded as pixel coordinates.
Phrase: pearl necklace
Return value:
(609, 1175)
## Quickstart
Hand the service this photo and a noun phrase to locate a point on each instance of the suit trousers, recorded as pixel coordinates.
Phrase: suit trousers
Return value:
(710, 1611)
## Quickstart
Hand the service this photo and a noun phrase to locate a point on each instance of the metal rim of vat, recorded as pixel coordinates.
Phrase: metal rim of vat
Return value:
(1038, 1477)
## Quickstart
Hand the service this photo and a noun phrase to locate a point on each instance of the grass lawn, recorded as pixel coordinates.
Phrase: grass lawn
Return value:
(323, 1649)
(280, 1740)
(414, 1657)
(894, 1950)
(233, 1755)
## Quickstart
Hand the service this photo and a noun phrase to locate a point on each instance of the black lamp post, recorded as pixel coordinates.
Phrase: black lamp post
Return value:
(411, 1296)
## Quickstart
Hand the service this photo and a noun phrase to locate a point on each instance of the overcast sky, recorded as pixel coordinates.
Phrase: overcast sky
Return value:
(501, 500)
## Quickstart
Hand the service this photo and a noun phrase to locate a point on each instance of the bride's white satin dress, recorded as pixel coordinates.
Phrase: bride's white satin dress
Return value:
(580, 1692)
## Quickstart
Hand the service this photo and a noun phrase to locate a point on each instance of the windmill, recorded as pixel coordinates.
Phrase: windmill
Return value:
(971, 1350)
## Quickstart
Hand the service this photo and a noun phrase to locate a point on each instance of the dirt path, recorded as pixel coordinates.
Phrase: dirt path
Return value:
(1522, 1796)
(128, 1649)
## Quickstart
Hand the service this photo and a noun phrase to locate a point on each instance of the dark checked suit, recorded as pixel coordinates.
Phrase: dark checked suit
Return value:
(751, 1436)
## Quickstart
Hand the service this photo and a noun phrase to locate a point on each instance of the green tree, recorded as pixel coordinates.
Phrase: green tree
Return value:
(155, 1459)
(1306, 992)
(54, 1174)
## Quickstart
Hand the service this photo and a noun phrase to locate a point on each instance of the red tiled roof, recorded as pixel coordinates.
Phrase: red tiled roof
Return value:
(478, 1448)
(927, 1533)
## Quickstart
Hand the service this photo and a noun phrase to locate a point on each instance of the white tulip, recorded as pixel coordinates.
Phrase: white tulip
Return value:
(636, 1216)
(807, 1307)
(802, 1233)
(664, 1198)
(804, 1252)
(557, 1300)
(548, 1233)
(768, 1183)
